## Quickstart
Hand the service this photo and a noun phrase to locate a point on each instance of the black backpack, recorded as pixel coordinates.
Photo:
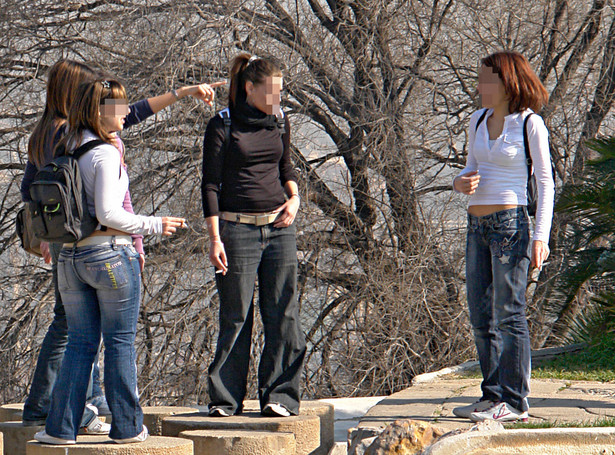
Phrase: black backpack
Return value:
(532, 189)
(59, 208)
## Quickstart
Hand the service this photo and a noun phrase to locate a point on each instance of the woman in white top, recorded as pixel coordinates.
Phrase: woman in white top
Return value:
(499, 251)
(99, 276)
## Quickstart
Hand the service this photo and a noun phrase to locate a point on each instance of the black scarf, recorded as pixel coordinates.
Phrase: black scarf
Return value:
(245, 114)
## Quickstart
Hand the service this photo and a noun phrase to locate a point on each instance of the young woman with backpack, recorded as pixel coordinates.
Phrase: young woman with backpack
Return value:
(250, 200)
(499, 251)
(99, 276)
(63, 80)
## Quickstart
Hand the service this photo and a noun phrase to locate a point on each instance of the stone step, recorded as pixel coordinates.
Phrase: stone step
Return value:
(102, 445)
(324, 411)
(15, 437)
(153, 416)
(11, 412)
(305, 428)
(237, 442)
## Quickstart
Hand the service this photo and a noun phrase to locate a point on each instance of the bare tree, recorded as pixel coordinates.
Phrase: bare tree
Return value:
(379, 95)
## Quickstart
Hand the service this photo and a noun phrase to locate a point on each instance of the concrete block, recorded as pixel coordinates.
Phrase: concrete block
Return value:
(305, 428)
(11, 412)
(237, 442)
(153, 415)
(102, 445)
(15, 436)
(324, 411)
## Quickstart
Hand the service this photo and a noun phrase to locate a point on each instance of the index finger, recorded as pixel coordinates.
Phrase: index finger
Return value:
(217, 84)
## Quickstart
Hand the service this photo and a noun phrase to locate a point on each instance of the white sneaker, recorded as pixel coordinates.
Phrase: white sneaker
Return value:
(501, 412)
(43, 437)
(138, 438)
(478, 406)
(96, 426)
(275, 410)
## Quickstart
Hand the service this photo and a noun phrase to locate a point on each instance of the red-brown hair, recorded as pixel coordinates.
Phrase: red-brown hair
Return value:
(244, 68)
(521, 84)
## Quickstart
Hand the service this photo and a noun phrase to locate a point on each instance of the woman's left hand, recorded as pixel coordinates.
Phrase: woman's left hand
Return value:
(204, 92)
(288, 212)
(540, 253)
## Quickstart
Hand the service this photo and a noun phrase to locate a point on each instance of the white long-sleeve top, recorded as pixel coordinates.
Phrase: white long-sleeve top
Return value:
(106, 187)
(503, 170)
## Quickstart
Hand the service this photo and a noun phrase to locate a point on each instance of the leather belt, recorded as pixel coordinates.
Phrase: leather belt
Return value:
(245, 218)
(94, 240)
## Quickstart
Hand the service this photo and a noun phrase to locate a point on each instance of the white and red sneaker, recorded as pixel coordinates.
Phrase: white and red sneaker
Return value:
(501, 412)
(479, 406)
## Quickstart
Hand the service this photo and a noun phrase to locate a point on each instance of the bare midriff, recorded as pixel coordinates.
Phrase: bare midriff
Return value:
(484, 210)
(109, 231)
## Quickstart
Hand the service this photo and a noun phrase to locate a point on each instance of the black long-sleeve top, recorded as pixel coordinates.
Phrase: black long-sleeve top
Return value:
(252, 175)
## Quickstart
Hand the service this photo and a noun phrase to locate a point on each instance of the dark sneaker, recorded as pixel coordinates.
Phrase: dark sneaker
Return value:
(275, 410)
(33, 423)
(218, 412)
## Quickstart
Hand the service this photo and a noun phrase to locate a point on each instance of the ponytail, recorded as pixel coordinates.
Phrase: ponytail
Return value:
(246, 67)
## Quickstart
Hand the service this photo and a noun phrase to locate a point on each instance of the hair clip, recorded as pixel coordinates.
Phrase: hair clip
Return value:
(254, 57)
(105, 84)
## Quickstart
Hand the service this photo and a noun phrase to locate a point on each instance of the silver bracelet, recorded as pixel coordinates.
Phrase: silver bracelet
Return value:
(175, 94)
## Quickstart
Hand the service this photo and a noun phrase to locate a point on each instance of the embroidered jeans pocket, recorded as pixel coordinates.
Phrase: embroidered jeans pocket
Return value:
(109, 272)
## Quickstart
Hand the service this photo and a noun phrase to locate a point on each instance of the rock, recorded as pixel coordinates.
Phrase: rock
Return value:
(359, 439)
(404, 437)
(487, 425)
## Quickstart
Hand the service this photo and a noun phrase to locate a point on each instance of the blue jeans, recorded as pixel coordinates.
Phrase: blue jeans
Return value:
(50, 358)
(271, 255)
(100, 287)
(497, 262)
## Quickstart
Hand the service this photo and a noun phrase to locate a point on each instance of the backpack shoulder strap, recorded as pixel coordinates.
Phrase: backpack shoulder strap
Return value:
(526, 145)
(85, 148)
(226, 118)
(480, 119)
(282, 123)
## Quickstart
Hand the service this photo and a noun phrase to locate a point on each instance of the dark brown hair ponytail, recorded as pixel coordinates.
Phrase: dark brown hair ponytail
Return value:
(246, 67)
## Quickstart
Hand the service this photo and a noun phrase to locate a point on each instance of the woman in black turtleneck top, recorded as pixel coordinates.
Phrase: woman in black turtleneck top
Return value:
(250, 200)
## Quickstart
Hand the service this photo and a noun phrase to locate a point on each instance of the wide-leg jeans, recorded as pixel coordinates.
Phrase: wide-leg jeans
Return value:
(100, 287)
(270, 254)
(50, 357)
(497, 263)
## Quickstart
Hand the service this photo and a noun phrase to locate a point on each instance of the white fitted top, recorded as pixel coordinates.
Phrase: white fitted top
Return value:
(502, 167)
(106, 188)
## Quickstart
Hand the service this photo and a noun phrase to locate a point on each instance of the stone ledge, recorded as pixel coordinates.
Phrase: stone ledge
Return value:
(15, 437)
(102, 445)
(324, 411)
(11, 412)
(235, 442)
(305, 428)
(154, 415)
(571, 441)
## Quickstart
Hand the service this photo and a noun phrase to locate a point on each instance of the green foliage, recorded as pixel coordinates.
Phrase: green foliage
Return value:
(596, 363)
(591, 256)
(606, 422)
